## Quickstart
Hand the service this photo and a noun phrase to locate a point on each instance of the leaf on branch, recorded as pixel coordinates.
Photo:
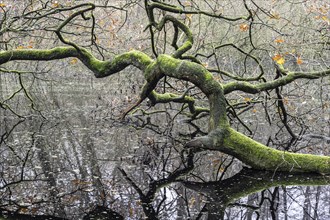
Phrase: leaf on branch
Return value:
(243, 27)
(192, 202)
(326, 19)
(131, 211)
(275, 16)
(279, 59)
(205, 65)
(285, 100)
(247, 99)
(323, 10)
(23, 210)
(254, 110)
(73, 61)
(20, 47)
(34, 210)
(189, 17)
(55, 4)
(299, 61)
(2, 5)
(217, 78)
(279, 40)
(187, 3)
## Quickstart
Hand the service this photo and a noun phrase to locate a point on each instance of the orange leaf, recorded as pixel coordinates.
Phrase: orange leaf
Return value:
(277, 57)
(299, 61)
(244, 27)
(279, 40)
(20, 47)
(2, 5)
(254, 110)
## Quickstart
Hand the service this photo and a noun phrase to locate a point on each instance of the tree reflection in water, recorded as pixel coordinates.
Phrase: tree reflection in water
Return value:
(155, 189)
(218, 199)
(221, 194)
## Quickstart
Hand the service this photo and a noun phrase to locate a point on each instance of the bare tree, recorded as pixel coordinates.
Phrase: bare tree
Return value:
(246, 79)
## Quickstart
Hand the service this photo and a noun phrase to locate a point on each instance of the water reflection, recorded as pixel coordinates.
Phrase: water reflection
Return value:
(222, 194)
(92, 166)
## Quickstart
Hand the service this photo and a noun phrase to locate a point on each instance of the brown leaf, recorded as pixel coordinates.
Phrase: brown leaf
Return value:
(244, 27)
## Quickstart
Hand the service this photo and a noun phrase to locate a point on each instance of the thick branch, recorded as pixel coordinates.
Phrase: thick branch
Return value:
(99, 68)
(203, 79)
(259, 156)
(290, 77)
(262, 157)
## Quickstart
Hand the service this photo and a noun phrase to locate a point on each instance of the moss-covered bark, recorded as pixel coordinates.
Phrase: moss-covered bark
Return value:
(262, 157)
(290, 77)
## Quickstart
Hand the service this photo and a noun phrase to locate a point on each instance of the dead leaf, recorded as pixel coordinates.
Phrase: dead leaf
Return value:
(278, 58)
(73, 61)
(279, 40)
(244, 27)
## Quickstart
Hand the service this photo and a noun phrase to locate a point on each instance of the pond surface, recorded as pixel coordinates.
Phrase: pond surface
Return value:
(78, 161)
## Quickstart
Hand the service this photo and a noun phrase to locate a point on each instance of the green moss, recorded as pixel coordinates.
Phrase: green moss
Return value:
(260, 156)
(171, 97)
(168, 65)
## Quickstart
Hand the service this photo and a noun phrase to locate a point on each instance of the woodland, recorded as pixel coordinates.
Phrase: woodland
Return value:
(164, 109)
